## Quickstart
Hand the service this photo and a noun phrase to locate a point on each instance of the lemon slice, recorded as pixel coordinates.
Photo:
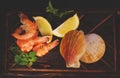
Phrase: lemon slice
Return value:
(44, 26)
(71, 23)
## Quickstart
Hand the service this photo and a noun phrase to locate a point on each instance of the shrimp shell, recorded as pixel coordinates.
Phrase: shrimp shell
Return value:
(28, 26)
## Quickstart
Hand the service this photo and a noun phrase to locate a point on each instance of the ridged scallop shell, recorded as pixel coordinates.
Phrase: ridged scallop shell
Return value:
(95, 48)
(72, 48)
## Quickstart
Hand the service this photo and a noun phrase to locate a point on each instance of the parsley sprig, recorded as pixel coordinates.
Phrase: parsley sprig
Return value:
(22, 58)
(50, 9)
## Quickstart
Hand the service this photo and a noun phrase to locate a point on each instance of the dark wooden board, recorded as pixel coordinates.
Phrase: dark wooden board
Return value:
(103, 22)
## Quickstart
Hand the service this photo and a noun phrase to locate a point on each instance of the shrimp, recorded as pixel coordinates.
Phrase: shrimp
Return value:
(43, 49)
(28, 26)
(27, 45)
(38, 40)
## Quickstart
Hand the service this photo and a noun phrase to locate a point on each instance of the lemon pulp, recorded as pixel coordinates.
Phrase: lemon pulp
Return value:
(71, 23)
(44, 26)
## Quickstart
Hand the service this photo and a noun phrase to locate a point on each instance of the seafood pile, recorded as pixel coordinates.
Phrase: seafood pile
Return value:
(28, 38)
(75, 46)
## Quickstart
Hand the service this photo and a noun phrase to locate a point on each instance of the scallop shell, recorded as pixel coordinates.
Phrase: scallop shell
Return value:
(72, 48)
(95, 48)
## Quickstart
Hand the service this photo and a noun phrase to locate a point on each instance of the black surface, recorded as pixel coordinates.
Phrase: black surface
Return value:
(41, 4)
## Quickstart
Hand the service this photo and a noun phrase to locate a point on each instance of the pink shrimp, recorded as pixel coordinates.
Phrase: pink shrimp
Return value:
(28, 26)
(43, 49)
(38, 40)
(27, 45)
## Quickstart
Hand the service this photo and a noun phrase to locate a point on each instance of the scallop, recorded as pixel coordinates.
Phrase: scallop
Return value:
(95, 48)
(72, 48)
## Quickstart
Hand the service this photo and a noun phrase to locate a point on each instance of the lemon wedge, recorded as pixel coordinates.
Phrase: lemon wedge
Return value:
(44, 26)
(71, 23)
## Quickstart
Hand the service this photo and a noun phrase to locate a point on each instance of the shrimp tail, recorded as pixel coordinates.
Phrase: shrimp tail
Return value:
(25, 20)
(38, 40)
(52, 44)
(43, 49)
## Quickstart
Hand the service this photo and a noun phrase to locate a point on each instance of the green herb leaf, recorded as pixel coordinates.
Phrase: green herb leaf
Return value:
(22, 58)
(64, 13)
(50, 9)
(32, 54)
(33, 59)
(30, 63)
(15, 50)
(24, 61)
(17, 59)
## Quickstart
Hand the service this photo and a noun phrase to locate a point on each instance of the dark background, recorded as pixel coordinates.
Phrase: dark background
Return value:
(39, 5)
